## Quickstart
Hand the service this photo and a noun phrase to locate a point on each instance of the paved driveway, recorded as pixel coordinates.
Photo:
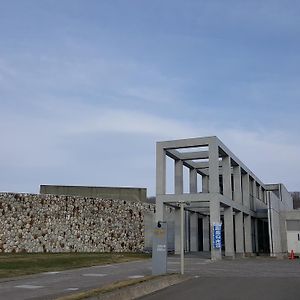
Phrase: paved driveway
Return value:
(249, 278)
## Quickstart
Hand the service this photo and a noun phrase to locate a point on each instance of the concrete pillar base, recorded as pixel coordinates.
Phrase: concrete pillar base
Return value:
(250, 254)
(216, 257)
(239, 255)
(230, 257)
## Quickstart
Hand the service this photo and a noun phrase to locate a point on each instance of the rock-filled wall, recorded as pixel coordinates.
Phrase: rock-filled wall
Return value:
(49, 223)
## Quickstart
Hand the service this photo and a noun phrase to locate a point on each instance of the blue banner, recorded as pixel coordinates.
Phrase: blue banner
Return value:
(217, 235)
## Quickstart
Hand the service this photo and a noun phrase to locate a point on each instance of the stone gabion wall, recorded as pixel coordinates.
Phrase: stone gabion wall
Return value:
(49, 223)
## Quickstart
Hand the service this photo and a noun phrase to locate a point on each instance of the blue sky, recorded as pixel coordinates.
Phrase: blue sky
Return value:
(88, 87)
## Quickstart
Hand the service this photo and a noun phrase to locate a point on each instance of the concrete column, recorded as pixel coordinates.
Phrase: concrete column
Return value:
(254, 193)
(248, 237)
(228, 230)
(213, 184)
(187, 230)
(260, 194)
(204, 184)
(178, 177)
(246, 189)
(205, 233)
(214, 189)
(193, 181)
(226, 170)
(239, 234)
(237, 180)
(264, 194)
(214, 209)
(256, 234)
(194, 231)
(160, 170)
(177, 231)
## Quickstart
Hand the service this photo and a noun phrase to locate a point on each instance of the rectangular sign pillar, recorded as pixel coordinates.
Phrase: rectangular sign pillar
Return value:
(159, 249)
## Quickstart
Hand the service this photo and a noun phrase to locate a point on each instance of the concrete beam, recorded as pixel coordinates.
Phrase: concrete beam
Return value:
(187, 143)
(238, 162)
(195, 155)
(187, 155)
(238, 207)
(204, 165)
(201, 197)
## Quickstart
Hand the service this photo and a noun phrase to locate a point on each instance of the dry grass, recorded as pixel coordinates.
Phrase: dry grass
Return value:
(12, 265)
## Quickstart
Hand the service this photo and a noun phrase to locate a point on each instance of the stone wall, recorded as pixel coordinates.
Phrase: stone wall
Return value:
(49, 223)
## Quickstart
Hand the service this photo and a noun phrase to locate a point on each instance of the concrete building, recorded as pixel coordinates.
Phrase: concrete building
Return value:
(121, 193)
(222, 190)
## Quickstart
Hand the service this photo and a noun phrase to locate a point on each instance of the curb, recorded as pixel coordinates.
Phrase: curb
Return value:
(141, 289)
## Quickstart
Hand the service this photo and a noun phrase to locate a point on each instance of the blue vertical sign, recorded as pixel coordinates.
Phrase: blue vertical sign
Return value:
(217, 235)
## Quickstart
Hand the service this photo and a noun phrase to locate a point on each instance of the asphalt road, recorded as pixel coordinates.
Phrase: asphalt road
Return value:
(231, 289)
(241, 279)
(51, 285)
(251, 278)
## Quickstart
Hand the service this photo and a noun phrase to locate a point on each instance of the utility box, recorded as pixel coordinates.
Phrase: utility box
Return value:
(159, 249)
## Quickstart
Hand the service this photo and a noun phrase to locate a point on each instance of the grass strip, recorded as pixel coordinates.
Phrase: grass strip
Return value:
(20, 264)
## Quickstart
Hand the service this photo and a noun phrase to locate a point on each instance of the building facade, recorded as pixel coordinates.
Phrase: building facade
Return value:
(222, 191)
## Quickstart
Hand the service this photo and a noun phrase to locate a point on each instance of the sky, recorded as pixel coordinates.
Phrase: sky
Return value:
(88, 87)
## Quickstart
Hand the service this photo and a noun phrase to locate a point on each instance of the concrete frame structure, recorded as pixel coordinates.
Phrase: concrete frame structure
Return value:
(230, 192)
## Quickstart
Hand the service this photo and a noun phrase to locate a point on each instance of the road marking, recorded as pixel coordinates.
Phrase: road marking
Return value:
(51, 273)
(196, 276)
(94, 275)
(106, 266)
(136, 276)
(72, 289)
(28, 286)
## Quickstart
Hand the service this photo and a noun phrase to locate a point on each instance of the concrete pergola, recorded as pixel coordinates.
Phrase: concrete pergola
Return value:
(229, 188)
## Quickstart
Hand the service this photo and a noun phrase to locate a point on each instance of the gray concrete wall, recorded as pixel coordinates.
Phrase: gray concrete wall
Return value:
(122, 193)
(280, 203)
(51, 223)
(276, 223)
